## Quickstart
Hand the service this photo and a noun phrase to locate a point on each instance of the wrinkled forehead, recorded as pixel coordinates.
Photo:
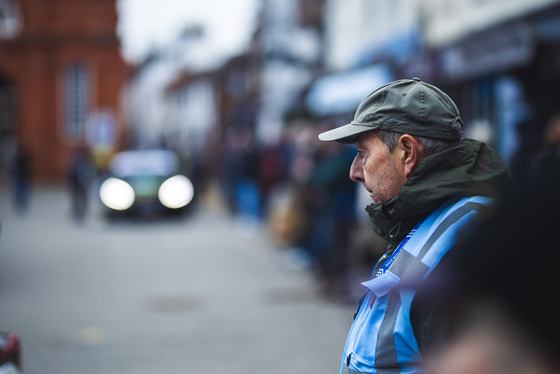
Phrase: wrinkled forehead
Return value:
(365, 138)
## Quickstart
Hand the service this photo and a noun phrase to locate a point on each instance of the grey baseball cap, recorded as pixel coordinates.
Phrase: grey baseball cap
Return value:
(407, 106)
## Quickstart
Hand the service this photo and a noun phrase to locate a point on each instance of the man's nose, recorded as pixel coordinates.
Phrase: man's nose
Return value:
(356, 172)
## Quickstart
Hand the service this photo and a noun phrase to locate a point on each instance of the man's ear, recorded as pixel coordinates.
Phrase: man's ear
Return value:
(410, 153)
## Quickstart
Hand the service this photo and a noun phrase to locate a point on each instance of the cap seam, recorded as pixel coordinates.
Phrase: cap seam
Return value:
(407, 120)
(383, 125)
(422, 103)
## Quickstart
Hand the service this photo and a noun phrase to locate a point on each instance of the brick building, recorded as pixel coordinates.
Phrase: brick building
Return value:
(60, 64)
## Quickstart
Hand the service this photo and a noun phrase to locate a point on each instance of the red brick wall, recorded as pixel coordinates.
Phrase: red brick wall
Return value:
(57, 33)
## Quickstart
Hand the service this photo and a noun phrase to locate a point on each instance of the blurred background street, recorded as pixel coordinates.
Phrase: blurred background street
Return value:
(116, 113)
(192, 294)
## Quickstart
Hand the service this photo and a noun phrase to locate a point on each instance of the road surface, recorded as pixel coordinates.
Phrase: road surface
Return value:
(191, 295)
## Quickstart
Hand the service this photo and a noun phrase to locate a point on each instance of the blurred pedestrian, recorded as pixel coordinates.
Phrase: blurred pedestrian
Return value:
(80, 175)
(546, 163)
(425, 183)
(330, 199)
(21, 178)
(240, 179)
(499, 286)
(521, 162)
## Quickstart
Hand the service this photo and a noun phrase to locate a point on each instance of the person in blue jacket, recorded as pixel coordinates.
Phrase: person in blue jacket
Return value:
(426, 183)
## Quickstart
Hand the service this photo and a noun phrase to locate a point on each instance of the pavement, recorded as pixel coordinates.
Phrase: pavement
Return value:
(197, 294)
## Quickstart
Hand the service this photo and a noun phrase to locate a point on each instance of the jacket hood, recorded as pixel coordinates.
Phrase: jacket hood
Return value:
(469, 169)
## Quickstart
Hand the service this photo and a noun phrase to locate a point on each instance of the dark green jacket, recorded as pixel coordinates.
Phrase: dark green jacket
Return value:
(468, 169)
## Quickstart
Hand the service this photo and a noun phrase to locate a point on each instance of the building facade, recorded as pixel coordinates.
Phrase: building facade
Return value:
(498, 59)
(61, 76)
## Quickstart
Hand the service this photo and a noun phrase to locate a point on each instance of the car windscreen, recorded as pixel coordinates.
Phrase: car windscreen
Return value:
(145, 162)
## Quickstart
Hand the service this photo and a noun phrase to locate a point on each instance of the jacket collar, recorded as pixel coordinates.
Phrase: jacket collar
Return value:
(387, 226)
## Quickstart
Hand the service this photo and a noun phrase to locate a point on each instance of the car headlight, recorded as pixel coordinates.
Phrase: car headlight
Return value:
(176, 192)
(117, 194)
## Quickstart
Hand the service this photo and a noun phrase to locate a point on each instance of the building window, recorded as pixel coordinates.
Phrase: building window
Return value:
(8, 104)
(76, 101)
(10, 19)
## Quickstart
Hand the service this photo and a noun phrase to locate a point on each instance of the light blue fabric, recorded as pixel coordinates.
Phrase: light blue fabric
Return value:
(381, 339)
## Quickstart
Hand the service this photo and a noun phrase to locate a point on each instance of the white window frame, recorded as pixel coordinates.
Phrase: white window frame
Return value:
(76, 99)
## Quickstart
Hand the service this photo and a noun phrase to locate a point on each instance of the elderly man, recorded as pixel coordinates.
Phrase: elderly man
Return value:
(425, 183)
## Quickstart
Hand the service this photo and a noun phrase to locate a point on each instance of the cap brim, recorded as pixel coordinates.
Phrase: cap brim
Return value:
(344, 134)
